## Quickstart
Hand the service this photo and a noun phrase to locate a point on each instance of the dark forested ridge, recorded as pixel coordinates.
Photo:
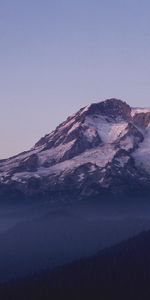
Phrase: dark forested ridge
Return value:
(118, 271)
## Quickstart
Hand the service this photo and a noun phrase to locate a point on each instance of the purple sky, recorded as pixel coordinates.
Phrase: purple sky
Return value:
(57, 56)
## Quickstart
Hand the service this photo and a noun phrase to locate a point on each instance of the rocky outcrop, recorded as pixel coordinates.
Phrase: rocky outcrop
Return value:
(113, 108)
(142, 119)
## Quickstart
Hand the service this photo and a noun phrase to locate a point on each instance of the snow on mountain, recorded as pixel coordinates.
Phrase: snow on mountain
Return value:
(108, 129)
(142, 154)
(138, 110)
(101, 145)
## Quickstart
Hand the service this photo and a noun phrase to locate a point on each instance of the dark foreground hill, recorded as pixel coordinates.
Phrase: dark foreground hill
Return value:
(119, 272)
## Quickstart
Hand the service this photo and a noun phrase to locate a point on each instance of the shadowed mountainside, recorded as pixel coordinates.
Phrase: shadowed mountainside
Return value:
(122, 270)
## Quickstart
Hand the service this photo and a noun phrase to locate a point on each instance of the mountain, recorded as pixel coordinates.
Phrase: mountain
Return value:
(102, 150)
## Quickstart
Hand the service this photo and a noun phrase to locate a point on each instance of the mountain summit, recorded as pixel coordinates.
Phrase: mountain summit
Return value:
(103, 149)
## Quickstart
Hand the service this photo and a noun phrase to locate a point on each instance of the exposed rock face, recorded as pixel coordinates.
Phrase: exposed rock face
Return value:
(113, 108)
(132, 138)
(28, 164)
(142, 119)
(103, 149)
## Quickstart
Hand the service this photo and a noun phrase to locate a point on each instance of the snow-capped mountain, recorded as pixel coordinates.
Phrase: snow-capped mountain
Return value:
(102, 149)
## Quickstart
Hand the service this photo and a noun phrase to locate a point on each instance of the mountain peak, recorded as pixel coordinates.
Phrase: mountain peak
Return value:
(98, 148)
(111, 107)
(89, 127)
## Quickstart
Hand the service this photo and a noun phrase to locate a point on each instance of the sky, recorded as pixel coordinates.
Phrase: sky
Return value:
(58, 56)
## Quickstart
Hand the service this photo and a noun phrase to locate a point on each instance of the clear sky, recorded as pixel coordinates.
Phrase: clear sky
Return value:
(58, 56)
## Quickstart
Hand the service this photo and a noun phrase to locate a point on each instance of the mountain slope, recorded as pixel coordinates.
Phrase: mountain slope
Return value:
(102, 149)
(118, 272)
